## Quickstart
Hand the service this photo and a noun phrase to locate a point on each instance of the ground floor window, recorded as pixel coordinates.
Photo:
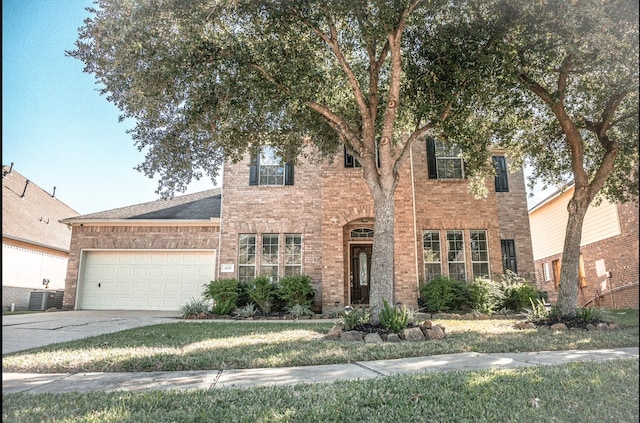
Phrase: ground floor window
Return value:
(455, 255)
(479, 254)
(431, 254)
(246, 257)
(275, 249)
(444, 253)
(292, 254)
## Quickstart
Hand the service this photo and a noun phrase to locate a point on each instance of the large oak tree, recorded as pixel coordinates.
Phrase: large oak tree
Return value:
(572, 72)
(208, 80)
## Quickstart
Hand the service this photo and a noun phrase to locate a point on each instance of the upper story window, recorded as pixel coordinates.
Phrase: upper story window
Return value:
(349, 160)
(502, 178)
(267, 168)
(444, 160)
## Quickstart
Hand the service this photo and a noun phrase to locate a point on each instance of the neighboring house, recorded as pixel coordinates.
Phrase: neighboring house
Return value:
(35, 246)
(608, 272)
(314, 217)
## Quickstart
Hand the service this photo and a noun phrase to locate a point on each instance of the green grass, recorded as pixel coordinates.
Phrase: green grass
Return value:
(597, 392)
(215, 345)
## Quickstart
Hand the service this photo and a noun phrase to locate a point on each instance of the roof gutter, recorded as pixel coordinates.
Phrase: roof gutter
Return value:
(141, 222)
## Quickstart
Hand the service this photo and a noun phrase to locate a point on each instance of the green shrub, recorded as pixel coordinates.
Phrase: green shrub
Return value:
(518, 293)
(394, 318)
(444, 294)
(486, 295)
(243, 294)
(247, 310)
(195, 306)
(354, 316)
(299, 310)
(224, 293)
(589, 314)
(263, 292)
(538, 311)
(296, 290)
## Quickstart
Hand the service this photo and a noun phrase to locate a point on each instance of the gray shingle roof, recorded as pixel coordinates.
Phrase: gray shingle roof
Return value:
(203, 205)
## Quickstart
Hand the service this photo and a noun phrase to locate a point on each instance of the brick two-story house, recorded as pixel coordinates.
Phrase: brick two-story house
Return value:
(316, 217)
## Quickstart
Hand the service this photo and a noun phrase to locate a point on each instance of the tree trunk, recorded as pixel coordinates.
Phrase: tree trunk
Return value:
(570, 268)
(382, 262)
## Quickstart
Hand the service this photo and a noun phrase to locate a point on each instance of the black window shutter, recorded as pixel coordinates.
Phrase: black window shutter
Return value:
(502, 178)
(431, 158)
(288, 173)
(509, 255)
(253, 169)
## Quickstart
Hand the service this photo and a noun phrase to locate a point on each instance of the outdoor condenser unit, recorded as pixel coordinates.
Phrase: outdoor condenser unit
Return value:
(42, 300)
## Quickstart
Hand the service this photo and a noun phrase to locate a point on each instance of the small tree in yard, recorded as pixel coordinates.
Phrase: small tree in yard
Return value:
(571, 81)
(208, 80)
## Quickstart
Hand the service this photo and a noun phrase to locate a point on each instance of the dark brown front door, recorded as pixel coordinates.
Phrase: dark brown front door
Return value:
(359, 273)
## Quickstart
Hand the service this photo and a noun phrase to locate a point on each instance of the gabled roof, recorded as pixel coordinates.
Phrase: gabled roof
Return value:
(203, 205)
(31, 215)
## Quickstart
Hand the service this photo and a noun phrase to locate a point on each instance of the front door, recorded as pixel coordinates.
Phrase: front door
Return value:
(359, 273)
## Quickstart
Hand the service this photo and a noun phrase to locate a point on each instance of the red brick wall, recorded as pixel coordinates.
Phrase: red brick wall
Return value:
(617, 254)
(132, 237)
(328, 200)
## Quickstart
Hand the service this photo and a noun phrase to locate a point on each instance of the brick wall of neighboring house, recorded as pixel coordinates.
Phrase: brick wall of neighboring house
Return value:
(132, 238)
(329, 200)
(617, 254)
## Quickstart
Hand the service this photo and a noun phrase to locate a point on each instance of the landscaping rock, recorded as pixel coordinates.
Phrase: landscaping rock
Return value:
(352, 336)
(558, 327)
(427, 324)
(393, 337)
(372, 338)
(413, 335)
(591, 327)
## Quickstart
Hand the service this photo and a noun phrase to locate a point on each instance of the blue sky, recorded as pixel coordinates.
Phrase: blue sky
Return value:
(56, 128)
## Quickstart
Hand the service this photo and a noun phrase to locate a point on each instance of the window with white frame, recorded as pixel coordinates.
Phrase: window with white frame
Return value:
(455, 255)
(444, 160)
(268, 168)
(292, 254)
(479, 254)
(431, 255)
(546, 271)
(270, 254)
(246, 257)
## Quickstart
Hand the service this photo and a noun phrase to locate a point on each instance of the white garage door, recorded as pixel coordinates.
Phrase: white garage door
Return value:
(144, 280)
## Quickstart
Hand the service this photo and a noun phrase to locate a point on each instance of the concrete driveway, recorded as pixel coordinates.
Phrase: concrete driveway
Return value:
(24, 331)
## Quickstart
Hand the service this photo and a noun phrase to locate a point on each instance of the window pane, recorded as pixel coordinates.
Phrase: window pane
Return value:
(455, 255)
(270, 256)
(431, 254)
(271, 168)
(479, 253)
(246, 257)
(293, 254)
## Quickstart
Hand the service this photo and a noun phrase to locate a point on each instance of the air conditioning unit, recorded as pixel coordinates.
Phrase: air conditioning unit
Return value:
(42, 300)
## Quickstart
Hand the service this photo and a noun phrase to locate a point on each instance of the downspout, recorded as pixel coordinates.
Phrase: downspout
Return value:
(219, 235)
(413, 205)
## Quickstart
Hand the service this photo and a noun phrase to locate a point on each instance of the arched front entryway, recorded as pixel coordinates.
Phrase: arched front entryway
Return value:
(358, 261)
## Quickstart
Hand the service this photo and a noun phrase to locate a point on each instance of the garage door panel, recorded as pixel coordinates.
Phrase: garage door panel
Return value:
(144, 280)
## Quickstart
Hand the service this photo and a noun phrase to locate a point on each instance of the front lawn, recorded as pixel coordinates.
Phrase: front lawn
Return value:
(220, 345)
(576, 392)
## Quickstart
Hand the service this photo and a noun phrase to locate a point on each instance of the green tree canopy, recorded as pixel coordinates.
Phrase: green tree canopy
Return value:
(207, 80)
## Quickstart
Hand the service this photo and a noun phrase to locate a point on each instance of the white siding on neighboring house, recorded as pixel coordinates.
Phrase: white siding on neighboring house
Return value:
(25, 268)
(549, 222)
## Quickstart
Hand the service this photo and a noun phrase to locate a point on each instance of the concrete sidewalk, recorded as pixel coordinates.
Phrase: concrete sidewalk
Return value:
(214, 379)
